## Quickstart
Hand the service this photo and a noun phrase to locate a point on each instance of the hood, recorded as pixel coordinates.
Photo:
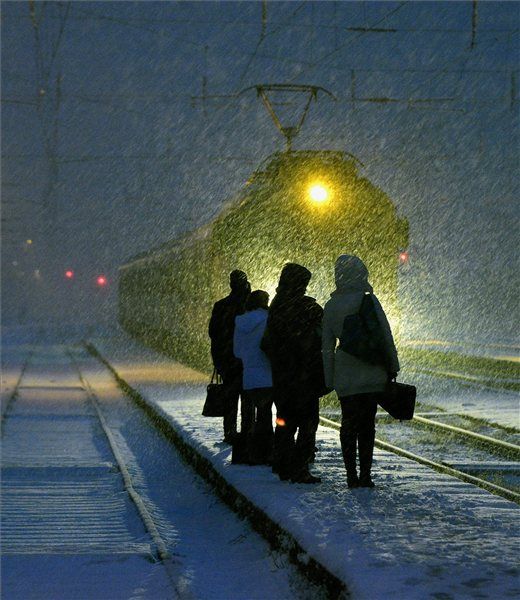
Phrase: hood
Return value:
(293, 280)
(351, 275)
(238, 283)
(250, 320)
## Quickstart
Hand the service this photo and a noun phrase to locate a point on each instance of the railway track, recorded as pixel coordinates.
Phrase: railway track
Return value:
(162, 552)
(14, 393)
(511, 384)
(505, 449)
(478, 370)
(496, 446)
(73, 516)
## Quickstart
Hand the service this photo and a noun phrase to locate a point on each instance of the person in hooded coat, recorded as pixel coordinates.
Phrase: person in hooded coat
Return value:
(292, 341)
(221, 330)
(257, 382)
(358, 383)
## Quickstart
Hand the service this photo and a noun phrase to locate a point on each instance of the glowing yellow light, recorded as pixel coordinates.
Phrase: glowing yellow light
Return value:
(280, 422)
(28, 242)
(318, 193)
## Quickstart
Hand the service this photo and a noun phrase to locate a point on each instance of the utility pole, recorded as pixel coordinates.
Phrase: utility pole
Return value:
(474, 16)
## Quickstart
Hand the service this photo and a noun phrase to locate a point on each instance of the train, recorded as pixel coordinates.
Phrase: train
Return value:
(304, 206)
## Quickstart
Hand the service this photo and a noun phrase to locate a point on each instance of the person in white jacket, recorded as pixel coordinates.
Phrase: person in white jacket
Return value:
(357, 382)
(257, 382)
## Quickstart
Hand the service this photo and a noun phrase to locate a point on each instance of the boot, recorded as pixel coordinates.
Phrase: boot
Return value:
(366, 481)
(352, 479)
(305, 477)
(229, 437)
(366, 452)
(348, 448)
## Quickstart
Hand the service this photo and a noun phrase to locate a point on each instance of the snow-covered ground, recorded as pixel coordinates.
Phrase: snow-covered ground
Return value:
(466, 398)
(418, 534)
(69, 529)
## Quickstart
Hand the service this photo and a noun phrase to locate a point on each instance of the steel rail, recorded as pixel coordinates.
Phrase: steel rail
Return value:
(146, 517)
(14, 394)
(491, 383)
(482, 483)
(509, 449)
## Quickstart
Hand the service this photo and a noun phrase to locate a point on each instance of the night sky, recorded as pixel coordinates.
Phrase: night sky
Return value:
(109, 149)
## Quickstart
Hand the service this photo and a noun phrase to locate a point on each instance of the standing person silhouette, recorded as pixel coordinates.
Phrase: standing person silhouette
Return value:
(221, 330)
(257, 397)
(292, 341)
(358, 383)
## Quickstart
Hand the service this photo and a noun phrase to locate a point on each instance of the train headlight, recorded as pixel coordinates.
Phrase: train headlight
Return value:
(318, 193)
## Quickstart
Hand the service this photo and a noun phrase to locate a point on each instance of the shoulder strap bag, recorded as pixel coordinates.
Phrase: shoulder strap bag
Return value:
(362, 336)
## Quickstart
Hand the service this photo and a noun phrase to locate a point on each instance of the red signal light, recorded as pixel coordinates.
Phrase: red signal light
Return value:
(403, 257)
(101, 280)
(69, 274)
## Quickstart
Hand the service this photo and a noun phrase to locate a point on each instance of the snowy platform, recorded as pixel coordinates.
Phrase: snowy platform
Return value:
(419, 534)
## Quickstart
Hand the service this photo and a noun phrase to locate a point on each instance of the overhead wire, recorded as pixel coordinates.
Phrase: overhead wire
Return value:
(348, 43)
(238, 22)
(125, 22)
(263, 35)
(393, 11)
(233, 98)
(461, 70)
(437, 73)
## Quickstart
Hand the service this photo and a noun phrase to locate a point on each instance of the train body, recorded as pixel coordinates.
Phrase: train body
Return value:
(304, 206)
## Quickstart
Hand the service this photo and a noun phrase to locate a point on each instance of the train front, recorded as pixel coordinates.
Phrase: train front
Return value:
(309, 207)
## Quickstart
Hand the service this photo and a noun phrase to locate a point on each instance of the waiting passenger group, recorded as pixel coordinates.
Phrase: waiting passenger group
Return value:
(287, 354)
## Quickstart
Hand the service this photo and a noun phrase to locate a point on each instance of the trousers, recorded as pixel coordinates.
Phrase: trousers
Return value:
(232, 381)
(358, 431)
(292, 456)
(257, 423)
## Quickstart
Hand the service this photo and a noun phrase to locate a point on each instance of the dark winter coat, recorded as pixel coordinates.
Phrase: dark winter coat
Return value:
(292, 339)
(221, 330)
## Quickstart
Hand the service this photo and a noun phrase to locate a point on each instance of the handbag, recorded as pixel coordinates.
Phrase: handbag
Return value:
(215, 397)
(362, 336)
(398, 400)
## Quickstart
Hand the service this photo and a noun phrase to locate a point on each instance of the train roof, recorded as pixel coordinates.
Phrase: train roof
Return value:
(267, 167)
(166, 248)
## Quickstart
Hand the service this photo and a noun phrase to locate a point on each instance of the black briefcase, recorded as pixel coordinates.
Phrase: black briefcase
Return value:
(399, 400)
(215, 397)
